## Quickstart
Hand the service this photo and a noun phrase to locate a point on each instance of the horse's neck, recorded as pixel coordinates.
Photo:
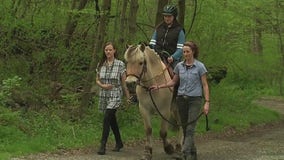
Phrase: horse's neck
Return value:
(166, 72)
(157, 73)
(156, 70)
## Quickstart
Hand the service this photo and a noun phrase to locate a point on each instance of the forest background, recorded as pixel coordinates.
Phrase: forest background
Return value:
(49, 50)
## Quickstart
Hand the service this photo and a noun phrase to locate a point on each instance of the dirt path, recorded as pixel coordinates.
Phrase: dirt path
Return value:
(261, 143)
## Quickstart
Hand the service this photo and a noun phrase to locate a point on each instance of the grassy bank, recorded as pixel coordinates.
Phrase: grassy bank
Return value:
(50, 130)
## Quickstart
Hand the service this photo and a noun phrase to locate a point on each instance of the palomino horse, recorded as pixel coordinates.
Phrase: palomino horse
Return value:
(145, 68)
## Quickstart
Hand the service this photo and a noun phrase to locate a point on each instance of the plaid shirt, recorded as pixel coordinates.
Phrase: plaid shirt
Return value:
(111, 99)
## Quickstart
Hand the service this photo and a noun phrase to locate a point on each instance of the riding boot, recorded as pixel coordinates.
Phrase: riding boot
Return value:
(117, 147)
(193, 155)
(193, 152)
(118, 141)
(115, 130)
(102, 149)
(189, 157)
(105, 133)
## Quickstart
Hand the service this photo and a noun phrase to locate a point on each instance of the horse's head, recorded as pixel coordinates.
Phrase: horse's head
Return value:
(144, 66)
(136, 63)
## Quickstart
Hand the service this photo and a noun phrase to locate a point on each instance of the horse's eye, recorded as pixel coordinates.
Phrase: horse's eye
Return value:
(141, 63)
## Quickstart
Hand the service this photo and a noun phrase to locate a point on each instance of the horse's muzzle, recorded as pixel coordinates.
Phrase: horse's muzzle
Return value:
(131, 86)
(130, 78)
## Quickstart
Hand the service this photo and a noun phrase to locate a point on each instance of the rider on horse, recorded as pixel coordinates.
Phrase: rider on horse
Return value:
(168, 38)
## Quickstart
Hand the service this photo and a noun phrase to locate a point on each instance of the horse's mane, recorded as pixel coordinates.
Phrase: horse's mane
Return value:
(143, 56)
(153, 56)
(132, 51)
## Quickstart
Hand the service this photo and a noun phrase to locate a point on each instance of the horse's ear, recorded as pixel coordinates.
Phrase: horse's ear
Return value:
(145, 43)
(127, 46)
(142, 47)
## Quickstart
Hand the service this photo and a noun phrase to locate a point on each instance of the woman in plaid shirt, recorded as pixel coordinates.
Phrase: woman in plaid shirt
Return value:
(111, 75)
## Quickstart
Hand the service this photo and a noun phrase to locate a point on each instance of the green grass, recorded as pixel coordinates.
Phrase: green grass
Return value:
(48, 131)
(231, 106)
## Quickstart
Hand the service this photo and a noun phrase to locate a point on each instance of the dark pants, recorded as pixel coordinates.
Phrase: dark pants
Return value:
(110, 122)
(189, 109)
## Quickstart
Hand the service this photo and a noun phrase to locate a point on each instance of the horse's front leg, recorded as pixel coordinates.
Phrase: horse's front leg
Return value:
(148, 132)
(168, 147)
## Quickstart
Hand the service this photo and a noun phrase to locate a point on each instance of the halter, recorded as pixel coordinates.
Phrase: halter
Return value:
(139, 82)
(143, 71)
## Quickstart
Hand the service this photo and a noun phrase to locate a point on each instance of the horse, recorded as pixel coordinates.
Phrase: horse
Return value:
(145, 68)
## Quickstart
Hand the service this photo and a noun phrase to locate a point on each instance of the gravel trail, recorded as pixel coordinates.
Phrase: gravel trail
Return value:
(260, 143)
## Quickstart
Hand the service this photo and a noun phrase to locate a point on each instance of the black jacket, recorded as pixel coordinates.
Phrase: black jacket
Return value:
(167, 37)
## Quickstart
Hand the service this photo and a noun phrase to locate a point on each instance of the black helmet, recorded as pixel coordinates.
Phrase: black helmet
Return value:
(170, 10)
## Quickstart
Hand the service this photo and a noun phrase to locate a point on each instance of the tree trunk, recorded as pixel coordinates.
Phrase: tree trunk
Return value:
(281, 49)
(257, 33)
(123, 22)
(256, 41)
(159, 15)
(279, 31)
(14, 8)
(72, 21)
(282, 67)
(132, 19)
(69, 29)
(86, 95)
(181, 11)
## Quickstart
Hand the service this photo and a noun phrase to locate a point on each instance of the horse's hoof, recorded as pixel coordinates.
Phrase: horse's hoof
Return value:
(169, 149)
(146, 157)
(147, 153)
(178, 148)
(178, 157)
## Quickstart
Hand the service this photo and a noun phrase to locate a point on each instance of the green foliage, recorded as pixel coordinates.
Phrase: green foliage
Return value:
(231, 106)
(7, 117)
(32, 46)
(49, 130)
(7, 87)
(10, 133)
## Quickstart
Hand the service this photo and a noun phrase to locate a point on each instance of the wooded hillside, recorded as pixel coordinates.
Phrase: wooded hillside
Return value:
(49, 49)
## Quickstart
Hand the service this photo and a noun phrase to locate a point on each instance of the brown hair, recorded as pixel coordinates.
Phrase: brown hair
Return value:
(193, 47)
(103, 59)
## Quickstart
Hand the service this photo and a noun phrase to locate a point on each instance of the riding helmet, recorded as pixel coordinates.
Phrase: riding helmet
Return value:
(170, 10)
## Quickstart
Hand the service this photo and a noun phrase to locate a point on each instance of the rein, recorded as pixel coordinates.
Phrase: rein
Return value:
(139, 82)
(144, 69)
(175, 124)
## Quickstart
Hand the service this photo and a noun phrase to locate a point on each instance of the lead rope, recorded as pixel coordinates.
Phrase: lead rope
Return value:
(176, 124)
